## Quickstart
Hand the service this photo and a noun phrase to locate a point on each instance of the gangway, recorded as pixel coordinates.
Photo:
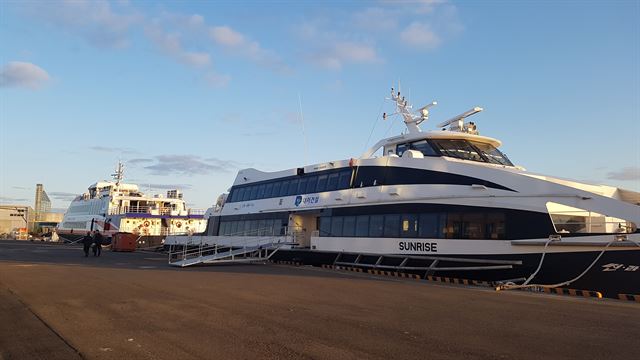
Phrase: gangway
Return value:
(254, 249)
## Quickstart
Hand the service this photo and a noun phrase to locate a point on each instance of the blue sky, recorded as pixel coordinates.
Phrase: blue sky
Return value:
(187, 92)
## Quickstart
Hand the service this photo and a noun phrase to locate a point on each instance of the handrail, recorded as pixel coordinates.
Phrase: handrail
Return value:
(254, 243)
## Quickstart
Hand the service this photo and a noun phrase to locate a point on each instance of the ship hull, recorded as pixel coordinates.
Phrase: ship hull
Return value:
(615, 272)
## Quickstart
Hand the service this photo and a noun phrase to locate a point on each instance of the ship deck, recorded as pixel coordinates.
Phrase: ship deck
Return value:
(57, 304)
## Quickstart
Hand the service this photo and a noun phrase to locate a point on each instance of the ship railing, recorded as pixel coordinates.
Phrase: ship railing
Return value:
(196, 211)
(196, 248)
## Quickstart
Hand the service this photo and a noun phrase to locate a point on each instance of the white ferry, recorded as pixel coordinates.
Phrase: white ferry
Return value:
(446, 203)
(112, 206)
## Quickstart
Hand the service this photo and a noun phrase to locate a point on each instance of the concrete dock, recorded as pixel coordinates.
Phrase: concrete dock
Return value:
(57, 304)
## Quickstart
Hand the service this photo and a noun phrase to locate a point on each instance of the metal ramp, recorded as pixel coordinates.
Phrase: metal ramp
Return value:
(245, 251)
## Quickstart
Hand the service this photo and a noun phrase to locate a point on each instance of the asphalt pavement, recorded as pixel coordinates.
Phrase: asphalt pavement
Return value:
(55, 303)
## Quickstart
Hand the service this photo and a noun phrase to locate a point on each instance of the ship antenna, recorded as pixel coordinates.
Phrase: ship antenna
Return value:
(412, 120)
(119, 174)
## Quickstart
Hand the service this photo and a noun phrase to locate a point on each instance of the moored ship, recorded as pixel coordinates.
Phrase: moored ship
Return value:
(447, 203)
(110, 207)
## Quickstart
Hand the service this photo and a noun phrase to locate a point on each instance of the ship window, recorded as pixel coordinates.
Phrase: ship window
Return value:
(223, 228)
(336, 225)
(284, 188)
(424, 147)
(254, 193)
(376, 225)
(391, 225)
(409, 225)
(349, 226)
(460, 149)
(261, 191)
(494, 226)
(429, 226)
(345, 179)
(233, 229)
(400, 149)
(293, 187)
(332, 183)
(311, 185)
(325, 226)
(362, 225)
(253, 230)
(262, 229)
(322, 183)
(302, 186)
(276, 189)
(247, 193)
(267, 190)
(492, 154)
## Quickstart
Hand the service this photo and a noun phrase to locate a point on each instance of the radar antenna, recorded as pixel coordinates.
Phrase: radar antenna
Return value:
(119, 174)
(412, 120)
(456, 123)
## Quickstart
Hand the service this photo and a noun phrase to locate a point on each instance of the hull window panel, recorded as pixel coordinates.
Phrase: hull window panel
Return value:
(268, 190)
(261, 189)
(322, 183)
(344, 180)
(430, 227)
(332, 182)
(325, 226)
(362, 226)
(409, 225)
(376, 226)
(349, 226)
(284, 189)
(276, 188)
(336, 225)
(302, 186)
(391, 225)
(293, 187)
(311, 184)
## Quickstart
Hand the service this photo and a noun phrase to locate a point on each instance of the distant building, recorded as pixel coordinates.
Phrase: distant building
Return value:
(15, 221)
(42, 203)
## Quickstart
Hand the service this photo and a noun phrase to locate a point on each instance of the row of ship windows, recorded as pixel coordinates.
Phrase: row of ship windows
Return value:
(264, 227)
(428, 225)
(305, 184)
(92, 208)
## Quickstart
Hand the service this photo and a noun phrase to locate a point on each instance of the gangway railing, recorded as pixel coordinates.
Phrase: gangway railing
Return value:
(258, 248)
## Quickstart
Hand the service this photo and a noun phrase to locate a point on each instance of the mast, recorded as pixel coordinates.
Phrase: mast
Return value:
(119, 174)
(403, 108)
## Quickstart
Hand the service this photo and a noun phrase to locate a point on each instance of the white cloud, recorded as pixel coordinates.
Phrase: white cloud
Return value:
(96, 21)
(238, 43)
(420, 35)
(226, 36)
(217, 80)
(376, 19)
(171, 45)
(345, 52)
(23, 74)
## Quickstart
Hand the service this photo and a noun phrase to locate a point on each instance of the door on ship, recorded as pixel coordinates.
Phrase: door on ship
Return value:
(302, 225)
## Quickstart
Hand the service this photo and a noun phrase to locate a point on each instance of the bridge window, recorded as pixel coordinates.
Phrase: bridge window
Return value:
(322, 183)
(460, 149)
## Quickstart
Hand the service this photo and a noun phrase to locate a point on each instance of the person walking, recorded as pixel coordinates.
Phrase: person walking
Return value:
(87, 240)
(97, 244)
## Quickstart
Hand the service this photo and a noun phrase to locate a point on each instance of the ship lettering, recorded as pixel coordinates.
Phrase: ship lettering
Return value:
(418, 246)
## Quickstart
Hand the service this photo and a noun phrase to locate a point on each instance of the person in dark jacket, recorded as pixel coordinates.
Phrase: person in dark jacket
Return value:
(87, 240)
(97, 244)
